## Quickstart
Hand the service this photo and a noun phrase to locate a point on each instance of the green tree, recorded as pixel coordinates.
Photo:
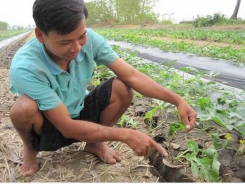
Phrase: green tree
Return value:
(3, 26)
(100, 11)
(121, 11)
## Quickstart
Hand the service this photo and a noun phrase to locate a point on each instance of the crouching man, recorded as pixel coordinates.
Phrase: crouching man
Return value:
(51, 73)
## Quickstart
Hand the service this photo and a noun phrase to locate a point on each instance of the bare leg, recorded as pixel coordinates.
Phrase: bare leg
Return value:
(120, 100)
(25, 116)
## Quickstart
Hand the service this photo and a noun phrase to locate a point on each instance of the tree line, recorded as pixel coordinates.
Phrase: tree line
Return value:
(121, 11)
(4, 26)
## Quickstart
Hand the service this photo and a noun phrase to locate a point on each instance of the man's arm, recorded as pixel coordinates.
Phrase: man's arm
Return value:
(86, 131)
(148, 87)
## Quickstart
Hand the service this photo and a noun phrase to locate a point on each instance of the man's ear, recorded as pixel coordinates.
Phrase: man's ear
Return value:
(39, 35)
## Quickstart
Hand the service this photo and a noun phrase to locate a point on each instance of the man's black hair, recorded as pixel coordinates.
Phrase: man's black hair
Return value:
(61, 16)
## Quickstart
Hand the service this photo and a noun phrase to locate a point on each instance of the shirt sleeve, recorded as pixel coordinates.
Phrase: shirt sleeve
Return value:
(31, 81)
(103, 53)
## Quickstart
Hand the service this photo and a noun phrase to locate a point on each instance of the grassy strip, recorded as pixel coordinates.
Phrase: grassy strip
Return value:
(9, 34)
(223, 36)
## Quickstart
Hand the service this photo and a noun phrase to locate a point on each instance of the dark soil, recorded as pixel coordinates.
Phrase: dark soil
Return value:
(72, 164)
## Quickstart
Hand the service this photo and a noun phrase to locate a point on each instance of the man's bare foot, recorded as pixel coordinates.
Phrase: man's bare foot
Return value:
(106, 154)
(30, 165)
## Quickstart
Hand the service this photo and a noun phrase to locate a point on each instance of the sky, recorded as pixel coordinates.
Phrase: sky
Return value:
(19, 12)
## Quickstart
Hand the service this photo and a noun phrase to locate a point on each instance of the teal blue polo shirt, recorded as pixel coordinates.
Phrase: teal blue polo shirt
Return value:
(35, 74)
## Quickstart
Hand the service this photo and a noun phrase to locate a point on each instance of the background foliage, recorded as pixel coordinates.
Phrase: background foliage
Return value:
(121, 12)
(215, 19)
(3, 26)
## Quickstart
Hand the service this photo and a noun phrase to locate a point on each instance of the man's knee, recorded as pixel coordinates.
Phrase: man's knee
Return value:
(23, 106)
(123, 90)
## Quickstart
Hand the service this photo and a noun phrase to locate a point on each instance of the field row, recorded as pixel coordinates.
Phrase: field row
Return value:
(151, 37)
(225, 36)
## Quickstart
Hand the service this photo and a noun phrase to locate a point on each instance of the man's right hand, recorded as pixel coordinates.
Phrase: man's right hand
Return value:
(143, 145)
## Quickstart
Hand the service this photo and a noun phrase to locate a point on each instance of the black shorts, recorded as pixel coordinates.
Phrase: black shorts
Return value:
(94, 103)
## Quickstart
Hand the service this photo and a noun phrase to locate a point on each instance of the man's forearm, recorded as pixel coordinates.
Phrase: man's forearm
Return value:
(148, 87)
(93, 132)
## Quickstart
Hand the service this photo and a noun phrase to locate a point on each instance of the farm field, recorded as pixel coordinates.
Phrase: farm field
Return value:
(220, 44)
(10, 33)
(213, 152)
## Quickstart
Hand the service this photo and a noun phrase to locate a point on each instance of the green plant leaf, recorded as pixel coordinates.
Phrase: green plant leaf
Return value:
(194, 169)
(209, 167)
(172, 130)
(215, 167)
(192, 156)
(206, 168)
(221, 101)
(216, 141)
(210, 152)
(218, 121)
(188, 156)
(176, 126)
(192, 146)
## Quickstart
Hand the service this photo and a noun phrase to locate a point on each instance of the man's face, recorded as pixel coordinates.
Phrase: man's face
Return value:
(64, 47)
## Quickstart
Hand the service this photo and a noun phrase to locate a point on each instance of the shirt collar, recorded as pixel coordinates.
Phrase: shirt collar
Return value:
(51, 65)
